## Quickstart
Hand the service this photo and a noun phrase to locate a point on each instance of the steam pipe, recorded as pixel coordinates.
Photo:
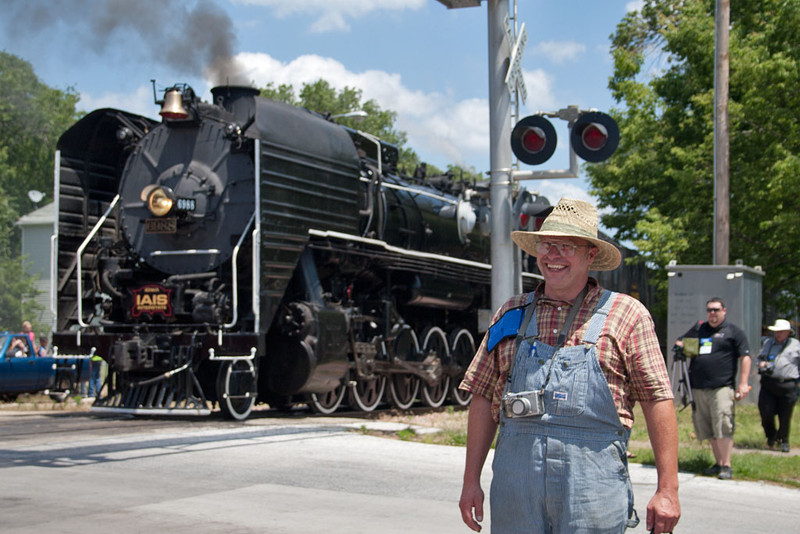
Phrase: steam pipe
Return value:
(79, 260)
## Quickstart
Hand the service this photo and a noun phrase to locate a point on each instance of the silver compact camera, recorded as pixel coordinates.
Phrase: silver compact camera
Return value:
(523, 404)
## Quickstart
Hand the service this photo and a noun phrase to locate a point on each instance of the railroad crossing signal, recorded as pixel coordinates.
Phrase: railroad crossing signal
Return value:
(514, 79)
(594, 136)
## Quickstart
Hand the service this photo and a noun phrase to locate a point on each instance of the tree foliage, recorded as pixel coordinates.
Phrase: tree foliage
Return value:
(660, 183)
(32, 117)
(322, 97)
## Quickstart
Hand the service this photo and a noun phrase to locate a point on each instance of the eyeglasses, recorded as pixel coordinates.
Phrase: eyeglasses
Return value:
(713, 310)
(565, 249)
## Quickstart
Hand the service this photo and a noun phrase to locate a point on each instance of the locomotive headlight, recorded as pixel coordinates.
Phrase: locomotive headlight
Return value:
(160, 201)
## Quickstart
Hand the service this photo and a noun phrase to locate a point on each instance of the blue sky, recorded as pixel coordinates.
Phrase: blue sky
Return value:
(427, 63)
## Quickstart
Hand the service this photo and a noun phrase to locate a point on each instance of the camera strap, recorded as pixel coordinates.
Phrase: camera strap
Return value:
(562, 336)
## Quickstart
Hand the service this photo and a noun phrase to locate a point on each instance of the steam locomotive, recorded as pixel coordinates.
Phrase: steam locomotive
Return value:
(246, 251)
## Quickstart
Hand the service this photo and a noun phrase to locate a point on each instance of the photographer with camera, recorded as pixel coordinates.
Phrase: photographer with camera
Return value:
(718, 347)
(559, 370)
(779, 367)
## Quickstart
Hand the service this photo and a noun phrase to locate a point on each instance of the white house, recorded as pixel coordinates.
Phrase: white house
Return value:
(37, 227)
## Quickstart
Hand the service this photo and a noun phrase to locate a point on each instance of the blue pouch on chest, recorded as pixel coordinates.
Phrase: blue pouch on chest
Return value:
(507, 326)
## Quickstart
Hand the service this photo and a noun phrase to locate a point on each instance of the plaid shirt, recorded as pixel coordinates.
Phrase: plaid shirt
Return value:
(627, 349)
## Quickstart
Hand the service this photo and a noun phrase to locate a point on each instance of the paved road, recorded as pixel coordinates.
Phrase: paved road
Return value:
(280, 476)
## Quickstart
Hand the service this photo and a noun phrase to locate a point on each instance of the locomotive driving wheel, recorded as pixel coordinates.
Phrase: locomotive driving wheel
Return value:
(462, 351)
(403, 387)
(434, 340)
(366, 394)
(327, 403)
(236, 382)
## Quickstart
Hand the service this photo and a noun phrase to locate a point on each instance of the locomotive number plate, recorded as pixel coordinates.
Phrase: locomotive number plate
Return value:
(160, 226)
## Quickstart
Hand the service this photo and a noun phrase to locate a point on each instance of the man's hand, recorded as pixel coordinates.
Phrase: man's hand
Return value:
(742, 392)
(663, 512)
(664, 509)
(471, 501)
(481, 429)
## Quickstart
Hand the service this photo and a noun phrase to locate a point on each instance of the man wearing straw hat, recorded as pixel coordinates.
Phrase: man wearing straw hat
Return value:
(559, 371)
(779, 367)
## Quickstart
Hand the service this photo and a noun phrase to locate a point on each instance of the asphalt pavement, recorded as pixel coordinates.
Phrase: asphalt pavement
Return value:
(289, 478)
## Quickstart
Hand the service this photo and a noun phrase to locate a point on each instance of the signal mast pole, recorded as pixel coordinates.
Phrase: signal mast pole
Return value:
(502, 248)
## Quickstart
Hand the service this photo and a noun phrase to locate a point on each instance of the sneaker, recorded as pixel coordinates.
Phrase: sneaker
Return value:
(712, 471)
(725, 473)
(785, 446)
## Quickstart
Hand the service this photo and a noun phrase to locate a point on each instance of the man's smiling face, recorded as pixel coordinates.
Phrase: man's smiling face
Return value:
(565, 275)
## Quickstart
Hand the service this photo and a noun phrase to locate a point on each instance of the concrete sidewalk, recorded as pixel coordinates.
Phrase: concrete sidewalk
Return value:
(710, 505)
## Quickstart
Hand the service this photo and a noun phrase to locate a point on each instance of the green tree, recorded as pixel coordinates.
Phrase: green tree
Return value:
(32, 117)
(17, 294)
(660, 183)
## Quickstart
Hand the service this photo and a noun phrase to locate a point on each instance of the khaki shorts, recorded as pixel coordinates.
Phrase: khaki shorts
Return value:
(713, 413)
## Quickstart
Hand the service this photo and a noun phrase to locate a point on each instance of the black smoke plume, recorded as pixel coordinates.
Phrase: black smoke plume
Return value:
(192, 38)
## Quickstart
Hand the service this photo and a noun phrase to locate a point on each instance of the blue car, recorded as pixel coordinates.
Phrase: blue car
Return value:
(21, 371)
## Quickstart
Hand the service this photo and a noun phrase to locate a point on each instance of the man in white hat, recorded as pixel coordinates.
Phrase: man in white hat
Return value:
(559, 371)
(779, 367)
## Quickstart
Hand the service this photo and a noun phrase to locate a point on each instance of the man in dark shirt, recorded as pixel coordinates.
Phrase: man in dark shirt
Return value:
(712, 374)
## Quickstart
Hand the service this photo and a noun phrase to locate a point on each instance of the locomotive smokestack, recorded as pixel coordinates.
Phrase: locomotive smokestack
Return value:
(199, 36)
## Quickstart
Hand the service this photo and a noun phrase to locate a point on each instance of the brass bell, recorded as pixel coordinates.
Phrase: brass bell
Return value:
(172, 108)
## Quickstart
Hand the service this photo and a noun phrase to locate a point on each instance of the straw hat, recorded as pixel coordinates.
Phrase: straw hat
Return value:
(572, 218)
(781, 325)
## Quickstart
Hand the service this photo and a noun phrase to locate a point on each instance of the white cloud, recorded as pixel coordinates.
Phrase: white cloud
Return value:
(559, 51)
(439, 129)
(554, 190)
(539, 85)
(636, 5)
(333, 15)
(139, 101)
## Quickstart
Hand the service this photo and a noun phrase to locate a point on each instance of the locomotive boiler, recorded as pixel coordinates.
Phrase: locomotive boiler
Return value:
(245, 251)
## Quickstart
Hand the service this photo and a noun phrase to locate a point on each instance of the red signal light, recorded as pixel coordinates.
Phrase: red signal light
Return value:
(523, 220)
(594, 136)
(533, 140)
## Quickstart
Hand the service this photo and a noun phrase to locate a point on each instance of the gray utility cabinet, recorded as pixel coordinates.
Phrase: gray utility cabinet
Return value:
(739, 286)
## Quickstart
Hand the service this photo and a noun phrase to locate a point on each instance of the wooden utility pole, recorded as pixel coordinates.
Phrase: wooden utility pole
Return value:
(722, 194)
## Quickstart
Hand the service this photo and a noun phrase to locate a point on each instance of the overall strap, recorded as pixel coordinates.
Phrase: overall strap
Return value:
(599, 317)
(562, 336)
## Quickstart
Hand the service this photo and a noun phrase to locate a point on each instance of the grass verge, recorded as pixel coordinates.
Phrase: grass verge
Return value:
(751, 459)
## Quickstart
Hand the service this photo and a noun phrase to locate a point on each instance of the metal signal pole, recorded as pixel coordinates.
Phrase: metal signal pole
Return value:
(502, 248)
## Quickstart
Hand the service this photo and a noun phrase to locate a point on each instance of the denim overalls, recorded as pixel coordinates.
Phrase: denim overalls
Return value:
(565, 471)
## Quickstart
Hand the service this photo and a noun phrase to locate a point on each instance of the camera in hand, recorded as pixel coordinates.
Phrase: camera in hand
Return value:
(767, 369)
(523, 404)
